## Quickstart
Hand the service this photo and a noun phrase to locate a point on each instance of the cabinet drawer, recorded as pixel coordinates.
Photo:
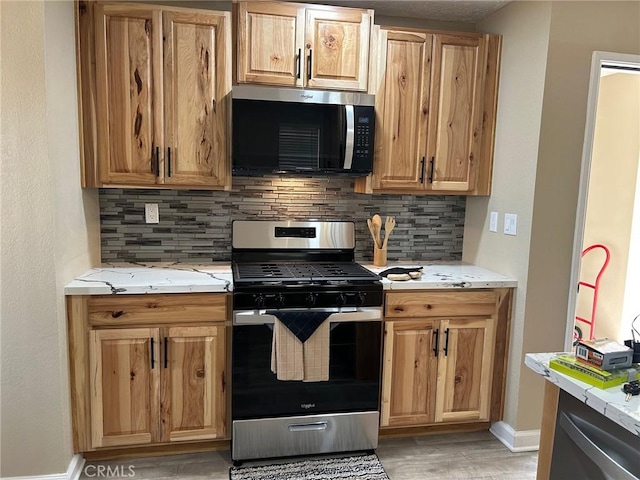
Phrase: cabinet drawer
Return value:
(440, 304)
(157, 309)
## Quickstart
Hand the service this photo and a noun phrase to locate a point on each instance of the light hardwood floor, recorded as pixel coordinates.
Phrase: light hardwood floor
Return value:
(460, 456)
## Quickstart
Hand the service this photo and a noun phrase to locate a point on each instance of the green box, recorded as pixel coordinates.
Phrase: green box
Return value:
(568, 365)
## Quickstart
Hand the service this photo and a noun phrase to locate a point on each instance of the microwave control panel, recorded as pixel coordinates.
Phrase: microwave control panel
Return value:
(364, 129)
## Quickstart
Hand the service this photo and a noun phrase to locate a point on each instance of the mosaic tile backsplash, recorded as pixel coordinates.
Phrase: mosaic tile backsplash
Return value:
(195, 225)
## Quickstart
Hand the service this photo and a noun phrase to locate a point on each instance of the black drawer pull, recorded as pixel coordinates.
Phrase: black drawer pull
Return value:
(166, 352)
(431, 170)
(436, 337)
(153, 353)
(446, 342)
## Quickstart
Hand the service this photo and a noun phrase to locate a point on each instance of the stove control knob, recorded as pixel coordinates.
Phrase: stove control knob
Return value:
(280, 300)
(311, 299)
(341, 299)
(360, 299)
(259, 300)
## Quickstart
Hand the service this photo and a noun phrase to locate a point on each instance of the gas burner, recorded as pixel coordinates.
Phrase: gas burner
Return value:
(278, 265)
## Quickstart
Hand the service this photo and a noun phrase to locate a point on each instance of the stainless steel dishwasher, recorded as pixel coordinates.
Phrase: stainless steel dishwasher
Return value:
(589, 446)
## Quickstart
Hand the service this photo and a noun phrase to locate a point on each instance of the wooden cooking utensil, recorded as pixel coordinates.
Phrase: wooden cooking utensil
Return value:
(377, 224)
(372, 229)
(389, 225)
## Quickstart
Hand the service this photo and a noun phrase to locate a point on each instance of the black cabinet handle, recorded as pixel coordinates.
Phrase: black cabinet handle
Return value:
(436, 337)
(431, 169)
(422, 170)
(153, 353)
(168, 161)
(446, 342)
(166, 352)
(299, 62)
(309, 63)
(155, 163)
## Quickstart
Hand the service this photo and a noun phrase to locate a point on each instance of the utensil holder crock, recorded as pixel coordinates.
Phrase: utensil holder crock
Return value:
(379, 256)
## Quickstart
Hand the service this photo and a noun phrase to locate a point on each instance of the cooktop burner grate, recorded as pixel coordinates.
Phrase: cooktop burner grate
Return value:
(256, 272)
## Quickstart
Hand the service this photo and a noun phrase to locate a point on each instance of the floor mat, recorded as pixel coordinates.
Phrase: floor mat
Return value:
(361, 467)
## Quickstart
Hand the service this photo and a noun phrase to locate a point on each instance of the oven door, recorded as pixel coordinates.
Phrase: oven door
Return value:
(354, 367)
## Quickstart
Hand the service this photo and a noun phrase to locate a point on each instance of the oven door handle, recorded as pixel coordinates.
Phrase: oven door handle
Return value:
(305, 427)
(338, 315)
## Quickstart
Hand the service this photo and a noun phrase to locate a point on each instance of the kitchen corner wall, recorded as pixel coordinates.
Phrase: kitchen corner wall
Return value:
(195, 226)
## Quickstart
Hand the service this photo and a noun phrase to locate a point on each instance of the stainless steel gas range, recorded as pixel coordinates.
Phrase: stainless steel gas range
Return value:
(307, 339)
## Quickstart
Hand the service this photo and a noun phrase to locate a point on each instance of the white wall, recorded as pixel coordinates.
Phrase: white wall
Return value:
(577, 29)
(548, 217)
(525, 30)
(45, 237)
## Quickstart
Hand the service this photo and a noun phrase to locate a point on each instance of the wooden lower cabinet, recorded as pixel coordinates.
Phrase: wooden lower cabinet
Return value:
(192, 383)
(409, 373)
(465, 364)
(148, 369)
(441, 369)
(125, 386)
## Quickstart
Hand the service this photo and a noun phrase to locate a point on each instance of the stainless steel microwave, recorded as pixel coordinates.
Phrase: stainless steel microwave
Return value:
(287, 130)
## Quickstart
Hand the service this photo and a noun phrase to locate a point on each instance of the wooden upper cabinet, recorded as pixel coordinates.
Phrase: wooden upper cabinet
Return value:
(297, 45)
(402, 104)
(456, 112)
(409, 373)
(464, 370)
(435, 103)
(337, 48)
(196, 63)
(193, 388)
(129, 92)
(270, 43)
(124, 383)
(162, 96)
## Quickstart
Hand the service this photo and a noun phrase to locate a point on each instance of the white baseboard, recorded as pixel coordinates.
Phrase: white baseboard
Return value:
(73, 472)
(516, 441)
(75, 467)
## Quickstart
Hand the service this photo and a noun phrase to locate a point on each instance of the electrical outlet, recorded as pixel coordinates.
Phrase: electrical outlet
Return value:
(493, 222)
(510, 223)
(151, 214)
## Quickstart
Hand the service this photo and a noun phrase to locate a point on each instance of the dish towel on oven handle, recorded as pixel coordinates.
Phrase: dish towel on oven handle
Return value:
(300, 346)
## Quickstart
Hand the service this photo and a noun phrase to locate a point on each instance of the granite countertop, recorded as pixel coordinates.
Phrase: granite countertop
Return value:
(609, 402)
(141, 278)
(446, 276)
(137, 278)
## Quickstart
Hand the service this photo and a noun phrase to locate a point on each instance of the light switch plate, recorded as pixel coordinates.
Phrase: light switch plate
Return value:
(510, 224)
(493, 222)
(151, 214)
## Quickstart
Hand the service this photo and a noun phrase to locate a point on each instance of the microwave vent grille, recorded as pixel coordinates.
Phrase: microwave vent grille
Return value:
(299, 147)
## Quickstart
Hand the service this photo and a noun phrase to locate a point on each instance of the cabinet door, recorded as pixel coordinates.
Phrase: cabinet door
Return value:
(464, 369)
(409, 373)
(270, 43)
(337, 48)
(124, 384)
(129, 92)
(197, 83)
(402, 104)
(455, 123)
(193, 388)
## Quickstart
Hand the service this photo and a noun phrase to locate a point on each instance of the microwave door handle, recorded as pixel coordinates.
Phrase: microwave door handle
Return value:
(348, 145)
